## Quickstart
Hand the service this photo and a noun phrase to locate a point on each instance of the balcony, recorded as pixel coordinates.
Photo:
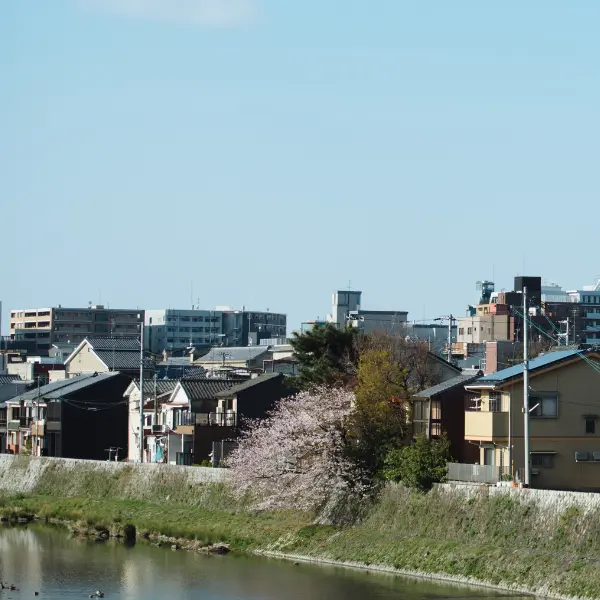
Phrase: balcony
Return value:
(228, 419)
(483, 425)
(13, 425)
(25, 422)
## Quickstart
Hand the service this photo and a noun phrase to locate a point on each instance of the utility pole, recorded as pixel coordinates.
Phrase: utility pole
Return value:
(142, 392)
(450, 319)
(35, 422)
(156, 398)
(527, 481)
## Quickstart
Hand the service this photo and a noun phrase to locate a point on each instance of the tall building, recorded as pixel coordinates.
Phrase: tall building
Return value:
(175, 329)
(46, 326)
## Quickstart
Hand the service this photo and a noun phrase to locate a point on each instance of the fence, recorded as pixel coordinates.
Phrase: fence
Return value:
(474, 473)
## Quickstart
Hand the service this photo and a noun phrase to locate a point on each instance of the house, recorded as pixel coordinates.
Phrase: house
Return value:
(440, 409)
(282, 360)
(156, 393)
(564, 415)
(192, 404)
(101, 355)
(250, 399)
(10, 386)
(81, 417)
(249, 358)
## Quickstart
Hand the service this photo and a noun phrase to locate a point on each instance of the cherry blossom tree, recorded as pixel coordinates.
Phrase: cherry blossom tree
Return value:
(297, 457)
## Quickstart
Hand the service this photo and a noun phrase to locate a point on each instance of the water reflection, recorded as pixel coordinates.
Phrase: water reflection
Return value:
(60, 566)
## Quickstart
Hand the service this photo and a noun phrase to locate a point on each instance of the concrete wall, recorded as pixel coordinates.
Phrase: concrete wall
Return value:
(553, 502)
(76, 478)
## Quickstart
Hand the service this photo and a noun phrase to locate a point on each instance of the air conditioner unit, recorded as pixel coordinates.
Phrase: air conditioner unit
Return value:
(581, 456)
(158, 428)
(596, 456)
(535, 471)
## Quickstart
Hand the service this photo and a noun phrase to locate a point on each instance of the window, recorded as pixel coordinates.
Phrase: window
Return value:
(469, 331)
(590, 425)
(495, 401)
(546, 406)
(542, 461)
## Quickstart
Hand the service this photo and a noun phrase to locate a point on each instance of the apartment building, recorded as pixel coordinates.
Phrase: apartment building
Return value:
(175, 329)
(564, 409)
(47, 326)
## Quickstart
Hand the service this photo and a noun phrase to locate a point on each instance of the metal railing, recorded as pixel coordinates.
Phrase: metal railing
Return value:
(184, 458)
(474, 473)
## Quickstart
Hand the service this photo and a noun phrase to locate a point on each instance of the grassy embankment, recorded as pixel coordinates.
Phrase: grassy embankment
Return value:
(496, 540)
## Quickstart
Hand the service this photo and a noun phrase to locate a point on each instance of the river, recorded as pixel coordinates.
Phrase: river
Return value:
(50, 561)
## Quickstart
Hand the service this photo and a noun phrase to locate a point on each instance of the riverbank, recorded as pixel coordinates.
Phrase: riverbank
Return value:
(527, 542)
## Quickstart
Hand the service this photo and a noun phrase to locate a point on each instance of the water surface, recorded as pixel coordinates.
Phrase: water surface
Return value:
(59, 566)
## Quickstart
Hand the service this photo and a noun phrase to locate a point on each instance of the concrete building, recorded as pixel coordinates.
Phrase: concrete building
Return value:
(346, 311)
(173, 329)
(47, 326)
(564, 421)
(176, 329)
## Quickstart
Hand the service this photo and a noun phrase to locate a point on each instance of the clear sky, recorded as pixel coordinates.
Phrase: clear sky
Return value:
(270, 151)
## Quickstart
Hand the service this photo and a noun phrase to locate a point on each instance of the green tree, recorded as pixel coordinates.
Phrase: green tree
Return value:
(379, 421)
(419, 465)
(326, 355)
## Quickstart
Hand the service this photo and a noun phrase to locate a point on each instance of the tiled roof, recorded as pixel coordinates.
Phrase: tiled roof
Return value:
(194, 373)
(122, 360)
(163, 386)
(64, 387)
(205, 389)
(235, 354)
(108, 343)
(458, 381)
(245, 385)
(544, 360)
(7, 379)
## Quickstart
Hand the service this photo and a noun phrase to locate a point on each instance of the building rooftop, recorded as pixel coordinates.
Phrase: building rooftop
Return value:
(205, 389)
(58, 389)
(250, 383)
(458, 381)
(8, 379)
(233, 354)
(544, 360)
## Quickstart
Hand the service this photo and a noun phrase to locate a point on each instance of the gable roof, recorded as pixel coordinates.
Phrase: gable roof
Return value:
(111, 343)
(443, 361)
(118, 354)
(458, 381)
(540, 362)
(58, 389)
(163, 386)
(246, 385)
(204, 389)
(234, 354)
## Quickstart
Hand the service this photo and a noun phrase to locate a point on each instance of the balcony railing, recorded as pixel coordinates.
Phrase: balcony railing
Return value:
(227, 419)
(484, 425)
(474, 473)
(25, 422)
(185, 418)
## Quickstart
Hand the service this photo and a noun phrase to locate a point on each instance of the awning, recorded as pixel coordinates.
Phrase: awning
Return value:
(542, 452)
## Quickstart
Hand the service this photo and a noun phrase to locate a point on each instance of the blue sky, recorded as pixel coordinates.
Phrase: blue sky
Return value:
(271, 151)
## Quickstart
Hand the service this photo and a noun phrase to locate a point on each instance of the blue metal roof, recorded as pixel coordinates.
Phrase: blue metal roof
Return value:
(543, 360)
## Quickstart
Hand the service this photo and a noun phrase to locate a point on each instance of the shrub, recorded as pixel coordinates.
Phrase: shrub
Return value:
(419, 465)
